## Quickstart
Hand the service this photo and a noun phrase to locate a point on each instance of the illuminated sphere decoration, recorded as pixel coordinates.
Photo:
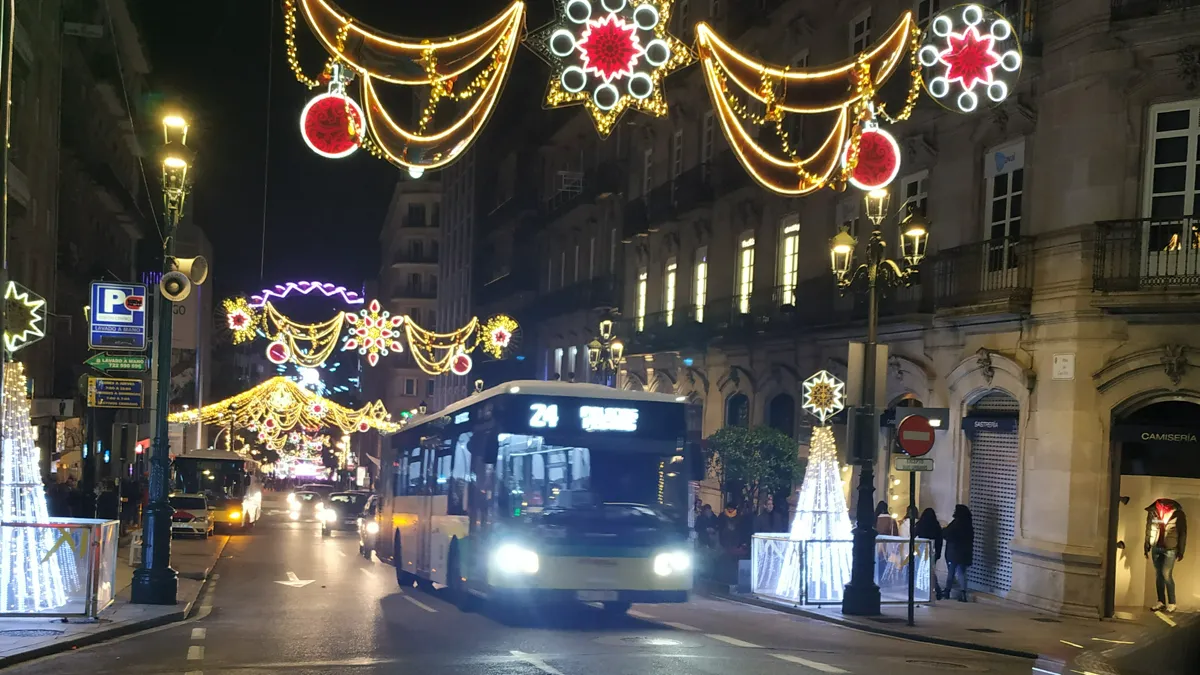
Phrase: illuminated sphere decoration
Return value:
(970, 56)
(278, 353)
(461, 364)
(326, 125)
(878, 159)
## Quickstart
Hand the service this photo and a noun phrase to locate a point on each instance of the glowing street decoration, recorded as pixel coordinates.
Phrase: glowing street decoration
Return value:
(374, 332)
(966, 49)
(878, 159)
(241, 319)
(596, 418)
(824, 395)
(461, 364)
(281, 291)
(610, 56)
(497, 335)
(327, 123)
(278, 353)
(25, 317)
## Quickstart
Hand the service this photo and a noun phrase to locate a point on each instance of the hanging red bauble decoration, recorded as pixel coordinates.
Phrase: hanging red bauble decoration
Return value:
(278, 353)
(325, 124)
(878, 159)
(460, 364)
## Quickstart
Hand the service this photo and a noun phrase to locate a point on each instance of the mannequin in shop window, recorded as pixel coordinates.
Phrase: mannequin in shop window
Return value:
(1166, 539)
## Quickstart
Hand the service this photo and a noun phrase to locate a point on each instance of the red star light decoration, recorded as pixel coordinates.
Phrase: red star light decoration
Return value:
(374, 332)
(969, 53)
(609, 56)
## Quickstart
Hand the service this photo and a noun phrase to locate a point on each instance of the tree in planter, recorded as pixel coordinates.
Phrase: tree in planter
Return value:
(753, 463)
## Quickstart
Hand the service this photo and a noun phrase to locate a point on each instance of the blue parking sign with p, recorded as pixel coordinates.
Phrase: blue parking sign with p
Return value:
(117, 319)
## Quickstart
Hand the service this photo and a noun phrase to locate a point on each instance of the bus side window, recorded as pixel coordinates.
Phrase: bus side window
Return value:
(415, 481)
(459, 473)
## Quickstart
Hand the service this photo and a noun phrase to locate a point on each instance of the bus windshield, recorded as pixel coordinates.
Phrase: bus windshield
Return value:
(615, 485)
(218, 479)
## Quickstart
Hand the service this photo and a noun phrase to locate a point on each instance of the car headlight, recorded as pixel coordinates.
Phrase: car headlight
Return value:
(372, 527)
(291, 498)
(513, 559)
(320, 506)
(294, 515)
(672, 562)
(234, 514)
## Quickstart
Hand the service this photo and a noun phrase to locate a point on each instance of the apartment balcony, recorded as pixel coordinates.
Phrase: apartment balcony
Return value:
(988, 278)
(1124, 10)
(409, 258)
(413, 293)
(1023, 14)
(587, 295)
(1147, 266)
(508, 288)
(577, 189)
(418, 223)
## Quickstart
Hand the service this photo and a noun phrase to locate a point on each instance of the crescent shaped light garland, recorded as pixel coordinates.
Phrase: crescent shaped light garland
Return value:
(609, 56)
(847, 90)
(471, 67)
(824, 395)
(965, 49)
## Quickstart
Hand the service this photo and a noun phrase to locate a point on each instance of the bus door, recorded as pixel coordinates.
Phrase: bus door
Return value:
(425, 509)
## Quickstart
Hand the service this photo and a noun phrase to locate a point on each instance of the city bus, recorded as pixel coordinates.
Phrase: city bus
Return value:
(229, 480)
(535, 492)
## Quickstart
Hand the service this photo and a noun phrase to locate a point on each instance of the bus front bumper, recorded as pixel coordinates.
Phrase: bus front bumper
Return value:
(547, 596)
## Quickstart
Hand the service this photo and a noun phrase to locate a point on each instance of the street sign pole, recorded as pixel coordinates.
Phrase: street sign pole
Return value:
(912, 547)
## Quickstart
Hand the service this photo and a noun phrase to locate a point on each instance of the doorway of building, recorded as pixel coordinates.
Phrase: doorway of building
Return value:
(1157, 457)
(991, 424)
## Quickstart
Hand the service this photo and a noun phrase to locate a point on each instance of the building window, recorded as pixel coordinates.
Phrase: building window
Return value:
(795, 123)
(429, 387)
(410, 386)
(745, 272)
(612, 251)
(789, 259)
(562, 269)
(1171, 161)
(714, 9)
(647, 170)
(781, 414)
(572, 359)
(925, 9)
(707, 138)
(860, 32)
(683, 11)
(558, 357)
(642, 287)
(700, 295)
(592, 257)
(669, 291)
(848, 212)
(914, 189)
(1005, 171)
(416, 215)
(575, 270)
(737, 411)
(676, 154)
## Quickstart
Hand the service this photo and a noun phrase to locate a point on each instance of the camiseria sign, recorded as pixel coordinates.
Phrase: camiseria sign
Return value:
(591, 418)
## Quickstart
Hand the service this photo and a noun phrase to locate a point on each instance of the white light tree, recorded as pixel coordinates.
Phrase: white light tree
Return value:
(821, 512)
(36, 568)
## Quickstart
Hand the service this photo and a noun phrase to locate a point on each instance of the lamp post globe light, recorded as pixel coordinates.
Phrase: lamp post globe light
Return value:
(873, 276)
(154, 582)
(604, 354)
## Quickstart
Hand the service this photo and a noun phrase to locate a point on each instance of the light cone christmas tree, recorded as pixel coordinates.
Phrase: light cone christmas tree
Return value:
(35, 568)
(821, 511)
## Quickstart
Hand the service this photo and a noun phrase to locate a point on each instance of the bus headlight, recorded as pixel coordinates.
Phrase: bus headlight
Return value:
(672, 562)
(372, 527)
(513, 559)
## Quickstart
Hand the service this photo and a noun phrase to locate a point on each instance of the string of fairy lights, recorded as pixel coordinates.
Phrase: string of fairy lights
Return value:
(610, 56)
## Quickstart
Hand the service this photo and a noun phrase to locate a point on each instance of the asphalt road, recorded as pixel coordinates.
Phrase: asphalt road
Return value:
(353, 618)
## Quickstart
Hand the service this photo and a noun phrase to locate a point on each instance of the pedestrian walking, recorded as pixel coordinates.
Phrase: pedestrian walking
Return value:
(929, 528)
(959, 536)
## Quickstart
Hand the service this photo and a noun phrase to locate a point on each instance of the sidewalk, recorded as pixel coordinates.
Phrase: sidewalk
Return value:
(26, 639)
(993, 626)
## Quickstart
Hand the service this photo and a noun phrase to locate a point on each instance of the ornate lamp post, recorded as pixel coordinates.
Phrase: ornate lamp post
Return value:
(604, 354)
(155, 583)
(873, 276)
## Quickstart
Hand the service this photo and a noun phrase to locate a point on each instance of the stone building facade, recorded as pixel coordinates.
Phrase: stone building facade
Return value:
(1054, 314)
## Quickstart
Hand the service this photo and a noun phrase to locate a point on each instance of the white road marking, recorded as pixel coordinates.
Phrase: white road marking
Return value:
(420, 604)
(680, 626)
(342, 553)
(640, 615)
(195, 653)
(194, 672)
(536, 663)
(733, 641)
(199, 633)
(1166, 619)
(815, 665)
(366, 571)
(1114, 642)
(295, 581)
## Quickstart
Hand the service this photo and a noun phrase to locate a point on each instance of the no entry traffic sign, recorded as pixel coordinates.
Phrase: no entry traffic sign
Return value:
(915, 435)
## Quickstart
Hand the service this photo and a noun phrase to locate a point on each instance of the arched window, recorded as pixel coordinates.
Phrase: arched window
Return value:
(781, 414)
(737, 411)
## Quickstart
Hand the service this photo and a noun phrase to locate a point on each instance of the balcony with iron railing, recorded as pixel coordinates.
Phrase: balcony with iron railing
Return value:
(415, 258)
(589, 294)
(1147, 265)
(414, 292)
(423, 222)
(574, 189)
(988, 277)
(1125, 10)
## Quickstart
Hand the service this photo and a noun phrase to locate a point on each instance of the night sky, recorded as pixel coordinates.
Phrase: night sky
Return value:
(322, 216)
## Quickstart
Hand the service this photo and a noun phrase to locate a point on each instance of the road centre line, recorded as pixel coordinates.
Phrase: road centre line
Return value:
(536, 662)
(680, 626)
(418, 603)
(640, 615)
(733, 641)
(194, 672)
(199, 633)
(342, 553)
(195, 653)
(815, 665)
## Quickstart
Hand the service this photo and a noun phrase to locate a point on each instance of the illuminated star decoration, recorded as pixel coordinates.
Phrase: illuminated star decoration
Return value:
(25, 317)
(374, 332)
(241, 319)
(610, 56)
(497, 335)
(824, 395)
(966, 48)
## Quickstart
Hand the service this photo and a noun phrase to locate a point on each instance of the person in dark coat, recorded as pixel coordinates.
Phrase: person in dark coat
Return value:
(706, 526)
(959, 537)
(929, 528)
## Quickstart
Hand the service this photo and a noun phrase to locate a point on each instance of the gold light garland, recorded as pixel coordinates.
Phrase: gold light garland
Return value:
(280, 405)
(435, 352)
(323, 336)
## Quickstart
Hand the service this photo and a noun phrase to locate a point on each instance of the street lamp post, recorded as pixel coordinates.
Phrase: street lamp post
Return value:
(155, 583)
(875, 275)
(604, 354)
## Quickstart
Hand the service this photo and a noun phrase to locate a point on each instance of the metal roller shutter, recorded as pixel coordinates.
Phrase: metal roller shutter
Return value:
(993, 498)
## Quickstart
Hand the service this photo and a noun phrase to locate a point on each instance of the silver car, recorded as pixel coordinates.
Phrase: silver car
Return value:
(191, 515)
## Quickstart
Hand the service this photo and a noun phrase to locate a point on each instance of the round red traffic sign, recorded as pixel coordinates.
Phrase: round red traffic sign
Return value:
(915, 435)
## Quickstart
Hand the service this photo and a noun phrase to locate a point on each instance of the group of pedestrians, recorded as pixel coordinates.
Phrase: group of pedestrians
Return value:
(956, 540)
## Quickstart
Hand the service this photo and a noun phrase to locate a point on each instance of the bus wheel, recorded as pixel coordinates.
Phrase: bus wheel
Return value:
(459, 595)
(617, 608)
